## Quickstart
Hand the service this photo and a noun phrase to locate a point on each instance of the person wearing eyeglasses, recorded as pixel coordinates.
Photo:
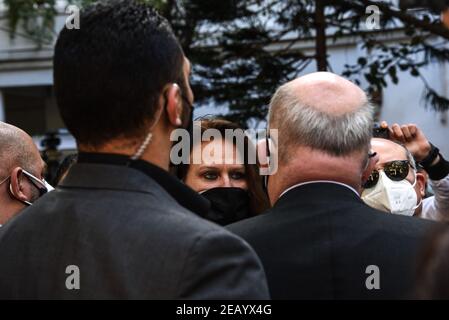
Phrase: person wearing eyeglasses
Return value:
(413, 143)
(395, 185)
(21, 172)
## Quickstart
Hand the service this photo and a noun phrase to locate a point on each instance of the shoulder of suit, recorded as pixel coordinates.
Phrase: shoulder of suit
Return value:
(374, 218)
(398, 224)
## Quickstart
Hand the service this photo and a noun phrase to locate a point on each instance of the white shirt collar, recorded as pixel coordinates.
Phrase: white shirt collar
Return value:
(320, 181)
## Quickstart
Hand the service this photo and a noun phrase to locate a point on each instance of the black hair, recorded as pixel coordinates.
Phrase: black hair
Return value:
(110, 73)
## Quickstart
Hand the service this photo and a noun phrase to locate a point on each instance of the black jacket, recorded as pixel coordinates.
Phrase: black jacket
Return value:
(319, 239)
(129, 238)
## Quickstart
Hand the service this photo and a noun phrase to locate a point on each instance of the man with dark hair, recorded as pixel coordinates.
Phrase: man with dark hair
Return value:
(119, 226)
(21, 172)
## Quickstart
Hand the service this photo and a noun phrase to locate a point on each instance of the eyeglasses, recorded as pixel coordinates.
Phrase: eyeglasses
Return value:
(395, 170)
(372, 154)
(41, 185)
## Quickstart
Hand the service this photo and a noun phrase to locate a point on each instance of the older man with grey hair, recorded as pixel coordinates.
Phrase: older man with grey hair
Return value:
(21, 172)
(320, 240)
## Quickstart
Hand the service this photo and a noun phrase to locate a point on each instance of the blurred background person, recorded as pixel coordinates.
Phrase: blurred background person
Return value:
(432, 277)
(408, 160)
(232, 184)
(21, 172)
(320, 239)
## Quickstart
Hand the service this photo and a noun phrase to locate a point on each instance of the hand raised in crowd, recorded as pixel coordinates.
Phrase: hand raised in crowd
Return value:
(412, 137)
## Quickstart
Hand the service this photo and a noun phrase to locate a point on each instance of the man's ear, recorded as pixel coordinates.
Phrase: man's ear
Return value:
(17, 185)
(421, 183)
(369, 168)
(174, 105)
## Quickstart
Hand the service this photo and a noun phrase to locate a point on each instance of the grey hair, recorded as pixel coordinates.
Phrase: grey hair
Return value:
(336, 135)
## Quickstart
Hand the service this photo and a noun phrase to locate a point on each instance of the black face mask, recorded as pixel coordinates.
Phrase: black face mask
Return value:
(228, 205)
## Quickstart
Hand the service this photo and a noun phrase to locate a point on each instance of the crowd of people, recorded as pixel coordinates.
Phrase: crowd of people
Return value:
(348, 214)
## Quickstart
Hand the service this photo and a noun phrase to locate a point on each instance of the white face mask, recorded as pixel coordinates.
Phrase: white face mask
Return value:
(398, 197)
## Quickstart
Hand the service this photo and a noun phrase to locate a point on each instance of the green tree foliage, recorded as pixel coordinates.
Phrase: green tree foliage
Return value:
(242, 50)
(36, 17)
(237, 64)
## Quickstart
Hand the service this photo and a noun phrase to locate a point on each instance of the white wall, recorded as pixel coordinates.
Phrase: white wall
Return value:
(2, 107)
(22, 63)
(404, 104)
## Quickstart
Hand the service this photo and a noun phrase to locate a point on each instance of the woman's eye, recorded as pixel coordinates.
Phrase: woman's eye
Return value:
(210, 175)
(237, 175)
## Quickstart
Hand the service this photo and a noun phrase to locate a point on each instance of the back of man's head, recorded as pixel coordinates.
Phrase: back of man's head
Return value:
(323, 112)
(110, 73)
(17, 149)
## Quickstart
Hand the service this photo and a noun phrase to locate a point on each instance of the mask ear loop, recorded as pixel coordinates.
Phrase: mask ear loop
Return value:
(23, 201)
(4, 180)
(413, 186)
(417, 206)
(414, 183)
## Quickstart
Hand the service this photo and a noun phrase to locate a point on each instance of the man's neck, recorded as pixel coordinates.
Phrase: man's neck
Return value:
(318, 167)
(155, 153)
(278, 185)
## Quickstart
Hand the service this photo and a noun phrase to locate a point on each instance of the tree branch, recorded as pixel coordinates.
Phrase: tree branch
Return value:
(321, 48)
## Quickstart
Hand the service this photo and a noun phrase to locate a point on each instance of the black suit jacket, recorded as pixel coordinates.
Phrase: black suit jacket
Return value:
(319, 239)
(129, 238)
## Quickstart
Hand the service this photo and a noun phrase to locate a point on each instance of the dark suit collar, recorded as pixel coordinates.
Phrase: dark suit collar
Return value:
(112, 171)
(324, 193)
